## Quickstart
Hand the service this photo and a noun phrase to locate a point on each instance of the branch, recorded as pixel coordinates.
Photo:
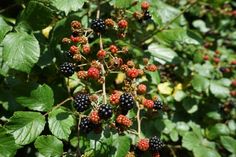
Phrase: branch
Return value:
(60, 104)
(78, 153)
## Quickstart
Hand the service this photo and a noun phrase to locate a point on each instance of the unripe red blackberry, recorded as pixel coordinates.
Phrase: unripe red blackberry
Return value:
(74, 39)
(148, 103)
(74, 49)
(105, 111)
(94, 117)
(86, 49)
(101, 54)
(233, 62)
(142, 88)
(75, 24)
(216, 60)
(126, 101)
(132, 73)
(143, 144)
(81, 74)
(86, 125)
(113, 49)
(145, 5)
(114, 98)
(67, 69)
(157, 105)
(82, 102)
(233, 83)
(155, 144)
(98, 25)
(109, 22)
(151, 67)
(206, 57)
(123, 120)
(156, 154)
(93, 73)
(122, 24)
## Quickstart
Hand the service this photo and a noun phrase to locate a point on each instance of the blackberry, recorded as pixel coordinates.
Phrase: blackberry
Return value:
(67, 69)
(82, 102)
(86, 125)
(105, 111)
(146, 15)
(98, 25)
(155, 144)
(158, 105)
(68, 55)
(126, 102)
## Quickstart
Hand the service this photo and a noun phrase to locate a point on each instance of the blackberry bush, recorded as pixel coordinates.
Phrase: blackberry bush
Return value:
(120, 78)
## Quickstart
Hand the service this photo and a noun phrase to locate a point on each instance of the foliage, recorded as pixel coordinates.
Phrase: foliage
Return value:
(192, 42)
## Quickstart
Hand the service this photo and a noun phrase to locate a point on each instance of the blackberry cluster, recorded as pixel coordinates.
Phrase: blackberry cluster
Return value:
(82, 102)
(98, 25)
(146, 15)
(105, 111)
(86, 125)
(126, 102)
(158, 105)
(155, 144)
(67, 69)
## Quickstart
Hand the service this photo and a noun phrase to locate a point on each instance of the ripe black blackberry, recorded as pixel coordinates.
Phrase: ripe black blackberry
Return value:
(155, 144)
(98, 25)
(67, 69)
(158, 105)
(146, 15)
(126, 102)
(82, 102)
(68, 55)
(105, 111)
(85, 125)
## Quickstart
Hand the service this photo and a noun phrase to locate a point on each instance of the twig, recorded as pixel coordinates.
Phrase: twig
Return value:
(138, 120)
(60, 104)
(78, 153)
(104, 95)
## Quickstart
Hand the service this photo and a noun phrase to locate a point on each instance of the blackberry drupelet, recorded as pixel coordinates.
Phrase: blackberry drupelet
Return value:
(126, 102)
(155, 144)
(146, 15)
(86, 125)
(67, 69)
(158, 105)
(82, 102)
(98, 25)
(105, 111)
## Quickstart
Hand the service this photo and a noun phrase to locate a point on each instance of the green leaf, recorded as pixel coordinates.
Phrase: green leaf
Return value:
(174, 135)
(25, 126)
(229, 143)
(49, 146)
(68, 5)
(191, 140)
(218, 90)
(20, 51)
(122, 145)
(205, 151)
(204, 70)
(41, 99)
(200, 83)
(60, 123)
(37, 14)
(190, 105)
(170, 37)
(4, 28)
(201, 25)
(121, 3)
(167, 13)
(3, 67)
(216, 130)
(162, 54)
(7, 144)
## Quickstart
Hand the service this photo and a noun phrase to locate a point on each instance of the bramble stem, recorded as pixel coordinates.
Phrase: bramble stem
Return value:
(60, 104)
